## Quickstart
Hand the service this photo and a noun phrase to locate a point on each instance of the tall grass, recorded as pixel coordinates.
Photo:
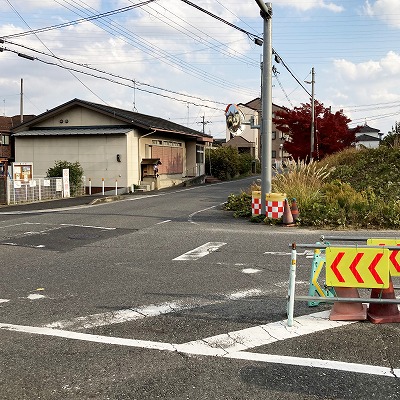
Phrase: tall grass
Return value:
(302, 181)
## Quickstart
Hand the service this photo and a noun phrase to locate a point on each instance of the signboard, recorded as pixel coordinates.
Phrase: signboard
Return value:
(59, 185)
(66, 190)
(234, 118)
(394, 257)
(22, 171)
(359, 267)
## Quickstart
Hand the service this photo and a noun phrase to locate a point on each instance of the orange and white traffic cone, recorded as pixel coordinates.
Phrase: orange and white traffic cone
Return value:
(287, 217)
(348, 311)
(383, 313)
(295, 210)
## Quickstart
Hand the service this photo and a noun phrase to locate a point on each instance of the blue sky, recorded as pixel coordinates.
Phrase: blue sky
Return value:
(169, 59)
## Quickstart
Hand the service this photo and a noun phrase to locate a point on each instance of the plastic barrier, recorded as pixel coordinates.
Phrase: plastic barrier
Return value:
(347, 273)
(274, 204)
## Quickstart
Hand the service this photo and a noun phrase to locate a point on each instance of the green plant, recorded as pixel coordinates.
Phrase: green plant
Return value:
(302, 181)
(227, 163)
(75, 174)
(239, 204)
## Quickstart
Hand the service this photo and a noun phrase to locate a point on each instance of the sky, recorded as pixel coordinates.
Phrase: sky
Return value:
(171, 59)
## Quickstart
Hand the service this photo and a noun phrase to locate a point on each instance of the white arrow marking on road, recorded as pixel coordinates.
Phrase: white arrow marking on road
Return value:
(200, 251)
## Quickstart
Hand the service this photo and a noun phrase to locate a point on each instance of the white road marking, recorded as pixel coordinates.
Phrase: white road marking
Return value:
(251, 270)
(90, 226)
(200, 251)
(212, 346)
(284, 253)
(163, 222)
(243, 294)
(317, 363)
(200, 211)
(131, 314)
(269, 333)
(4, 300)
(36, 296)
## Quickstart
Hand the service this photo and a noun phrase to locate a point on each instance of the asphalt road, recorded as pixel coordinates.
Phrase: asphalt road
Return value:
(164, 295)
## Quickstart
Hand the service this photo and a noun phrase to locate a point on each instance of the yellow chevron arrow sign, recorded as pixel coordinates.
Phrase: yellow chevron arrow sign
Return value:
(359, 267)
(394, 256)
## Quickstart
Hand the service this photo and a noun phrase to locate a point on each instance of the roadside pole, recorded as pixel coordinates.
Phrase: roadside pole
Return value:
(266, 104)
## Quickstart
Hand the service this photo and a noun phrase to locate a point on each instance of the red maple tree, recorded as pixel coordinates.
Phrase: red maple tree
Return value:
(332, 133)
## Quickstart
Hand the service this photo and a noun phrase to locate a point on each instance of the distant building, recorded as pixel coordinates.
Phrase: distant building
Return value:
(6, 140)
(115, 147)
(368, 137)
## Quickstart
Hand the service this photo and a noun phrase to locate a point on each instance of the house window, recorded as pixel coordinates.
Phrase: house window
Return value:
(199, 154)
(5, 140)
(273, 135)
(273, 153)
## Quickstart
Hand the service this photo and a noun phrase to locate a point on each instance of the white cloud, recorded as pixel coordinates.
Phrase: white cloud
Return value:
(386, 10)
(310, 4)
(372, 85)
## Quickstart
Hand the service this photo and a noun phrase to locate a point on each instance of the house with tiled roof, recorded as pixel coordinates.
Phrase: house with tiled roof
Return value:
(368, 137)
(6, 142)
(113, 145)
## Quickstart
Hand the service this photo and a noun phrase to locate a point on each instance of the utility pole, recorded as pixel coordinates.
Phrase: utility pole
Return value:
(266, 104)
(21, 102)
(204, 123)
(312, 113)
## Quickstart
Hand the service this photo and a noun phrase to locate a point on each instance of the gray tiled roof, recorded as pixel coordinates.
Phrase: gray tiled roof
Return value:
(74, 131)
(130, 118)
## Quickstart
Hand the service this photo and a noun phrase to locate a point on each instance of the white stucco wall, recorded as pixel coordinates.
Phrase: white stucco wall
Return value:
(77, 116)
(96, 154)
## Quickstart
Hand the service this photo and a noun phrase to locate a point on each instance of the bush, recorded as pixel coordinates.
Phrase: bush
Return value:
(75, 174)
(226, 163)
(240, 204)
(350, 189)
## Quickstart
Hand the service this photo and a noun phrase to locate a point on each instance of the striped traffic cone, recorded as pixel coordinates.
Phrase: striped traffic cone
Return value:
(287, 217)
(295, 210)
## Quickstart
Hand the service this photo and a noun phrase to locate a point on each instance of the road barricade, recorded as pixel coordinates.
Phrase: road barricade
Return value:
(349, 268)
(274, 204)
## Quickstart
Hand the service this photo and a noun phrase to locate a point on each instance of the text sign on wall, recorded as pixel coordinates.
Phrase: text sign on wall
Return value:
(22, 171)
(360, 267)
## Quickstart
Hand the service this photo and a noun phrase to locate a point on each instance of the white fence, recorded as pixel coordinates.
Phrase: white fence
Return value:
(38, 189)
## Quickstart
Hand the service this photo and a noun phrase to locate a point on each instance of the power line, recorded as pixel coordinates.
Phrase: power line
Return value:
(107, 73)
(82, 83)
(78, 21)
(111, 80)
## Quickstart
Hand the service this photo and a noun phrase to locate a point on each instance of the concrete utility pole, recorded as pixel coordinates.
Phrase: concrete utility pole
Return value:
(21, 101)
(312, 113)
(204, 123)
(266, 104)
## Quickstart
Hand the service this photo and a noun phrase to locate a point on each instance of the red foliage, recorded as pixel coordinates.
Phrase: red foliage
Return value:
(331, 131)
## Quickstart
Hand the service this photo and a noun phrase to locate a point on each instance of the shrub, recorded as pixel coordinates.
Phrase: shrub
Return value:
(226, 163)
(75, 174)
(240, 204)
